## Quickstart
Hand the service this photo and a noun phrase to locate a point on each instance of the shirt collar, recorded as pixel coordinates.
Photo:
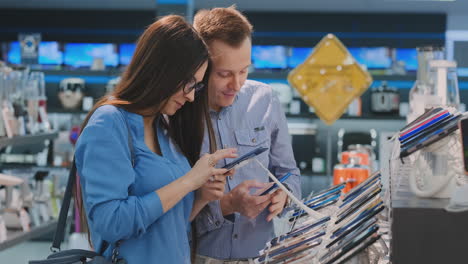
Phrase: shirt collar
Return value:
(224, 110)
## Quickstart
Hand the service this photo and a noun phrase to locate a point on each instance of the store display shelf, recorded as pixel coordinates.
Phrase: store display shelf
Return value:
(66, 111)
(26, 140)
(283, 75)
(423, 232)
(16, 237)
(367, 116)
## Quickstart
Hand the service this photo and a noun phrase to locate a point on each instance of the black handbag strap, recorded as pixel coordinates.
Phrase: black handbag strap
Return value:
(60, 231)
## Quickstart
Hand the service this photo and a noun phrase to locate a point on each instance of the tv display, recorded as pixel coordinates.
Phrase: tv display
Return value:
(126, 52)
(373, 58)
(409, 56)
(14, 53)
(269, 57)
(298, 55)
(49, 53)
(83, 54)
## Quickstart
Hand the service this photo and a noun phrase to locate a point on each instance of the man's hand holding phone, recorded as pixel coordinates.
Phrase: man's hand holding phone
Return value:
(278, 201)
(240, 200)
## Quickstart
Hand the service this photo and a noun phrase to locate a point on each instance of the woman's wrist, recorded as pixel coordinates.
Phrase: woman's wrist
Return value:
(187, 182)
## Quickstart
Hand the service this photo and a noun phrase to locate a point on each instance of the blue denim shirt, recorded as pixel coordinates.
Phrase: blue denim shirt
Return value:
(255, 119)
(120, 200)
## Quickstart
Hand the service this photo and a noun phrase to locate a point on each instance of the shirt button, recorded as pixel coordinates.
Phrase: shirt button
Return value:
(254, 140)
(235, 236)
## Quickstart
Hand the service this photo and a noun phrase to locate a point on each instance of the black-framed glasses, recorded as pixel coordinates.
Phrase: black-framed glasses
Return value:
(193, 85)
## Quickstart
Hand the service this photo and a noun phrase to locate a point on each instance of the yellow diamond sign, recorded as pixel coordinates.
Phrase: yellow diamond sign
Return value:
(330, 79)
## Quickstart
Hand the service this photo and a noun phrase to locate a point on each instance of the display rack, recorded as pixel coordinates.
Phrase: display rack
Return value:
(26, 140)
(16, 237)
(422, 231)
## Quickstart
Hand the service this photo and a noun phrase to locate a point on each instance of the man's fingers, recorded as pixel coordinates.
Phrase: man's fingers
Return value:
(264, 204)
(274, 210)
(273, 214)
(253, 184)
(274, 207)
(275, 199)
(258, 200)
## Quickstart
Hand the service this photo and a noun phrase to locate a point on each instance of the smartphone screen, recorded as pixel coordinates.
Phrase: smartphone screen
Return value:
(463, 125)
(245, 157)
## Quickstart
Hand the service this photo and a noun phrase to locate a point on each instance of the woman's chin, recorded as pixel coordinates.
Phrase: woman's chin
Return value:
(169, 112)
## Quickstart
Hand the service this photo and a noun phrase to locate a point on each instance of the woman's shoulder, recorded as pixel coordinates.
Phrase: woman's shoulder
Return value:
(106, 114)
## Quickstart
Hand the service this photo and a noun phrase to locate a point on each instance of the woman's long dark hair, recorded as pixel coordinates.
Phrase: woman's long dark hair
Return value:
(167, 55)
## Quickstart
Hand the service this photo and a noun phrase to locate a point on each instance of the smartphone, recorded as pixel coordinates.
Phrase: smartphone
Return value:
(425, 125)
(350, 210)
(357, 250)
(353, 192)
(352, 231)
(292, 253)
(360, 243)
(362, 191)
(364, 216)
(281, 250)
(427, 131)
(244, 159)
(428, 115)
(275, 186)
(431, 138)
(330, 191)
(316, 206)
(420, 118)
(463, 126)
(299, 231)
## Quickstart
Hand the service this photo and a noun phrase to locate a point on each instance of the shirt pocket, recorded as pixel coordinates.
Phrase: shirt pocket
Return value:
(249, 137)
(248, 140)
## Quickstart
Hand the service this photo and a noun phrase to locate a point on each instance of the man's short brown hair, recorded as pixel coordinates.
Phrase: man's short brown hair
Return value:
(224, 24)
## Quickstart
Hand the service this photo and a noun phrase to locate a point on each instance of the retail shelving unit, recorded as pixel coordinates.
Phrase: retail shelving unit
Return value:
(26, 140)
(16, 237)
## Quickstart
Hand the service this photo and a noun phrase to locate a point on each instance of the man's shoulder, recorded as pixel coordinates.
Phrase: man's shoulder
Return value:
(256, 86)
(253, 88)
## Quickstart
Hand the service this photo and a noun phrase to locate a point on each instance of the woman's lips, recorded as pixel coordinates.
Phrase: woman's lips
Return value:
(229, 94)
(179, 105)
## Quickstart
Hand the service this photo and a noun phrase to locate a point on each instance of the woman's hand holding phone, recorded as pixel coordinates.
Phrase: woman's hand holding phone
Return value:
(213, 190)
(204, 168)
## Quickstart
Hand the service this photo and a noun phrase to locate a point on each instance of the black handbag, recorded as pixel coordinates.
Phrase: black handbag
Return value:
(75, 256)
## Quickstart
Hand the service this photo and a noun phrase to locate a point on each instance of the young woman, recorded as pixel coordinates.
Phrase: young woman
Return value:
(138, 154)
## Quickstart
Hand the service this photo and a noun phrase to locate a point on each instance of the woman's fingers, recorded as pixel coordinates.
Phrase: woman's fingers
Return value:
(224, 153)
(219, 172)
(216, 186)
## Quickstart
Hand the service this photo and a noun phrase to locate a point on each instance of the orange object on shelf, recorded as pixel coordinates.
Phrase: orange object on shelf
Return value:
(351, 174)
(362, 157)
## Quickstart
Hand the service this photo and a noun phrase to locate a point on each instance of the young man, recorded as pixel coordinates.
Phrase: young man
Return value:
(245, 114)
